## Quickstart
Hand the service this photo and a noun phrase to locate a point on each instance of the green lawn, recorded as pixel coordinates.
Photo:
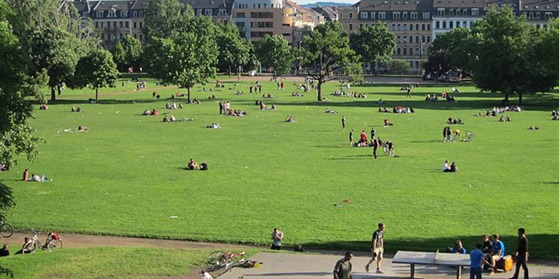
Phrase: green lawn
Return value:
(124, 175)
(105, 262)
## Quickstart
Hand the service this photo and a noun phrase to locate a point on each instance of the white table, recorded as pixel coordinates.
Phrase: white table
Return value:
(432, 258)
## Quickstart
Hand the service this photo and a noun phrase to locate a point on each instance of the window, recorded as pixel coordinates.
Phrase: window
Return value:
(134, 14)
(426, 15)
(423, 39)
(428, 26)
(396, 15)
(428, 39)
(398, 39)
(411, 27)
(140, 14)
(361, 26)
(411, 39)
(141, 25)
(399, 27)
(547, 15)
(393, 26)
(451, 25)
(397, 51)
(120, 24)
(475, 11)
(350, 15)
(440, 11)
(413, 15)
(123, 13)
(222, 12)
(99, 14)
(451, 12)
(437, 24)
(405, 27)
(350, 27)
(135, 25)
(444, 24)
(373, 15)
(198, 12)
(381, 15)
(96, 24)
(364, 15)
(405, 39)
(135, 36)
(405, 51)
(209, 12)
(127, 24)
(423, 26)
(240, 15)
(84, 14)
(405, 15)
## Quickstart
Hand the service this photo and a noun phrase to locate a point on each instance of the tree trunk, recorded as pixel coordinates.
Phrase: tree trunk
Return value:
(506, 98)
(319, 87)
(229, 70)
(96, 94)
(188, 96)
(519, 98)
(52, 94)
(59, 88)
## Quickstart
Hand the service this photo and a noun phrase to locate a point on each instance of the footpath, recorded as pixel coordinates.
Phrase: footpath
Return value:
(290, 265)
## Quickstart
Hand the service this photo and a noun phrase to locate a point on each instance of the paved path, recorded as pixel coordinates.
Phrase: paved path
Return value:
(299, 266)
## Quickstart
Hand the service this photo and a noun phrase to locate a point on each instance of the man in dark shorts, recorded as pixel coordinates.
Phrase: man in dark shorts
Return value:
(376, 144)
(342, 270)
(343, 123)
(351, 138)
(377, 247)
(521, 254)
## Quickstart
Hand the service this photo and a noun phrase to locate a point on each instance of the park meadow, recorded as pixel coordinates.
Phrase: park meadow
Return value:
(125, 175)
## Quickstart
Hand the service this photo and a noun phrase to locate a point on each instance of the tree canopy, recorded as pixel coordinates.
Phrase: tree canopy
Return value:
(449, 51)
(233, 50)
(165, 17)
(375, 44)
(97, 70)
(187, 57)
(325, 51)
(274, 52)
(127, 53)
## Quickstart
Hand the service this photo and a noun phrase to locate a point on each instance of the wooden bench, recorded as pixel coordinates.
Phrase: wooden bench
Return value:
(432, 258)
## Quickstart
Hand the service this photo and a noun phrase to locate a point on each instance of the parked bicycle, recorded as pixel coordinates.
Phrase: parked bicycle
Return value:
(469, 136)
(53, 241)
(6, 230)
(219, 259)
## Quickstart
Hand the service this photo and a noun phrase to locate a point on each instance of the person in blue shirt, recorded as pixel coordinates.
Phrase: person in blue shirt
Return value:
(498, 252)
(477, 259)
(458, 248)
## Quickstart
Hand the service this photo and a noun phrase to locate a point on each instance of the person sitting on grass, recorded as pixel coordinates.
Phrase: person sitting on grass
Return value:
(4, 167)
(446, 166)
(204, 166)
(165, 119)
(452, 168)
(53, 235)
(213, 126)
(387, 122)
(192, 165)
(458, 248)
(82, 129)
(4, 251)
(534, 128)
(27, 247)
(328, 110)
(289, 119)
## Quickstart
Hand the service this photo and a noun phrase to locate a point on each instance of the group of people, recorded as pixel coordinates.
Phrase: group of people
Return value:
(554, 115)
(449, 168)
(449, 135)
(152, 112)
(351, 94)
(173, 106)
(34, 177)
(74, 109)
(290, 118)
(452, 120)
(192, 165)
(431, 97)
(504, 119)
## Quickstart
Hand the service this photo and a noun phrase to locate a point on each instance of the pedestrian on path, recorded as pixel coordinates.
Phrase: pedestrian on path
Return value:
(342, 270)
(277, 237)
(521, 254)
(377, 247)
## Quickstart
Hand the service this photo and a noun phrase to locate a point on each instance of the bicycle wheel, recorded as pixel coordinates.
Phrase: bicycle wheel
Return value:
(58, 243)
(6, 230)
(217, 258)
(36, 245)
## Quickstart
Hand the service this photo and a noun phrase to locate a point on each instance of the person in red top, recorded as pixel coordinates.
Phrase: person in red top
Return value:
(25, 175)
(363, 136)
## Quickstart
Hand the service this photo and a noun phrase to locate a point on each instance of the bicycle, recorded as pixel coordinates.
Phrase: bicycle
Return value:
(469, 136)
(55, 241)
(219, 259)
(6, 230)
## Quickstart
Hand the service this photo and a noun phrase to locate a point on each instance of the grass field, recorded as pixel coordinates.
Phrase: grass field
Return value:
(124, 175)
(105, 262)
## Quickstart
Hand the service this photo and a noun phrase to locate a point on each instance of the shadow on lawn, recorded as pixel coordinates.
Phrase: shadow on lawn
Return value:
(541, 245)
(6, 272)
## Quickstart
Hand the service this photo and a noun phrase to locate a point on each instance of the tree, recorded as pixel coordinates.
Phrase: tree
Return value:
(375, 44)
(16, 89)
(274, 52)
(326, 51)
(97, 70)
(164, 17)
(501, 51)
(127, 53)
(449, 51)
(399, 66)
(233, 50)
(50, 35)
(188, 57)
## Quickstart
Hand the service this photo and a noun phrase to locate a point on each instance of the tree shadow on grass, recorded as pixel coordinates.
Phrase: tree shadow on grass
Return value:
(6, 272)
(542, 246)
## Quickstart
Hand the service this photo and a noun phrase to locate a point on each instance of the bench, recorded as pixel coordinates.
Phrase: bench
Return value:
(432, 258)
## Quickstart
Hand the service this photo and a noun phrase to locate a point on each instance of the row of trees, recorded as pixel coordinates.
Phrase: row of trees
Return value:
(503, 53)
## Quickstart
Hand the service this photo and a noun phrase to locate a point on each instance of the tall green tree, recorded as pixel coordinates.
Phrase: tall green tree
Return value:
(274, 51)
(188, 57)
(233, 50)
(96, 70)
(164, 18)
(375, 44)
(501, 53)
(49, 32)
(450, 51)
(127, 53)
(17, 89)
(326, 51)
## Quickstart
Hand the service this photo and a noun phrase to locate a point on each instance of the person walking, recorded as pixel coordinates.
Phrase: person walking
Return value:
(373, 133)
(521, 254)
(343, 123)
(351, 137)
(376, 144)
(377, 247)
(477, 259)
(342, 270)
(277, 237)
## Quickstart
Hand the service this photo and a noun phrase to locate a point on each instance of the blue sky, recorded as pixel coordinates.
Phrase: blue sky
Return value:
(314, 1)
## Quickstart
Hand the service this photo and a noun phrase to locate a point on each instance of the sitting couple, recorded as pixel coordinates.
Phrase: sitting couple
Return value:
(192, 165)
(451, 168)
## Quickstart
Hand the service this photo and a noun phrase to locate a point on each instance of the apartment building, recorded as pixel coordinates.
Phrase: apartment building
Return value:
(417, 23)
(410, 21)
